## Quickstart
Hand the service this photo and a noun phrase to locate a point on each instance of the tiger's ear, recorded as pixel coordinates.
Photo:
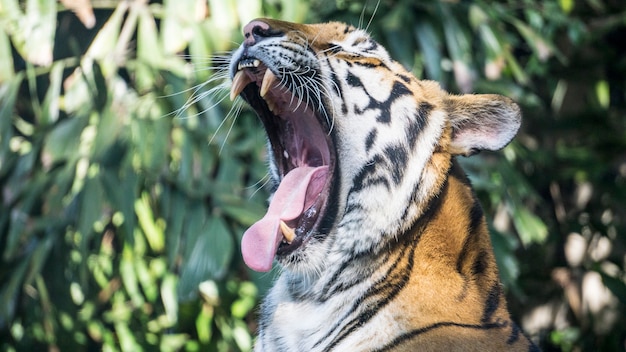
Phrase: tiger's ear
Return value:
(481, 122)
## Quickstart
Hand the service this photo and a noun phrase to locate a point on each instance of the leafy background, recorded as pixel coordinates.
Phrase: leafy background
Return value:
(126, 182)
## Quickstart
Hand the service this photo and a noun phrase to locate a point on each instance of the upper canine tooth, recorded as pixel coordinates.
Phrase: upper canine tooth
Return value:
(256, 63)
(268, 80)
(239, 82)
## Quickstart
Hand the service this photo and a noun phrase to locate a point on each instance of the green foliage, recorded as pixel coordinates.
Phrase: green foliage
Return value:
(125, 187)
(119, 221)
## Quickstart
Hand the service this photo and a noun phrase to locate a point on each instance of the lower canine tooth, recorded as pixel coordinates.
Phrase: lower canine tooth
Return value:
(271, 105)
(287, 231)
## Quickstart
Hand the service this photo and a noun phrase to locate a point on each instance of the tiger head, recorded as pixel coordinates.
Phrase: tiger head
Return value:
(358, 146)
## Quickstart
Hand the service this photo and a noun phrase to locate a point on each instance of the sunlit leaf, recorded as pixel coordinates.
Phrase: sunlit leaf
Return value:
(148, 46)
(152, 228)
(170, 297)
(109, 45)
(603, 93)
(33, 32)
(567, 5)
(530, 227)
(177, 29)
(129, 277)
(50, 105)
(83, 10)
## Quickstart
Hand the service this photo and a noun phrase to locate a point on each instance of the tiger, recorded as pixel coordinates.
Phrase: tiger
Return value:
(379, 239)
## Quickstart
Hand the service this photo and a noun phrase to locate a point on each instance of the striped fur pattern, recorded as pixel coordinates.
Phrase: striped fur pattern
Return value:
(400, 258)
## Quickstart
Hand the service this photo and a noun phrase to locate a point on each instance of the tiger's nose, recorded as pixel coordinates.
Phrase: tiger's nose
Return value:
(255, 31)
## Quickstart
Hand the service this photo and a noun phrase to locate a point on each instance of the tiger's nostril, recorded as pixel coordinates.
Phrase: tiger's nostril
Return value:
(254, 32)
(257, 31)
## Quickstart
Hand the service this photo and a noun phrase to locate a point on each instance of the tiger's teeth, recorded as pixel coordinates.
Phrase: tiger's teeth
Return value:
(239, 82)
(256, 63)
(268, 80)
(288, 232)
(271, 105)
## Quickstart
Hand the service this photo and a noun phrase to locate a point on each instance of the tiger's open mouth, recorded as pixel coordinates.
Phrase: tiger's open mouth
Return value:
(304, 156)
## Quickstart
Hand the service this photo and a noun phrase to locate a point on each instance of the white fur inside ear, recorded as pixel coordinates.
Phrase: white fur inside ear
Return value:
(482, 122)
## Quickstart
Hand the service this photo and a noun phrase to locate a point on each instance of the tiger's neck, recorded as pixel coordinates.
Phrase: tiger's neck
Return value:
(441, 273)
(453, 256)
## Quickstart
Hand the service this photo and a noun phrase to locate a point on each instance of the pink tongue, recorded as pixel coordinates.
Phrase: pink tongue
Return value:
(296, 192)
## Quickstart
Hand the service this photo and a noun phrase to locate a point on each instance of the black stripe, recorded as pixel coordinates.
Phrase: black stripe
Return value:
(480, 263)
(354, 81)
(352, 206)
(371, 138)
(476, 217)
(406, 78)
(492, 303)
(368, 64)
(362, 178)
(337, 87)
(382, 292)
(398, 90)
(397, 158)
(416, 124)
(335, 285)
(515, 333)
(412, 334)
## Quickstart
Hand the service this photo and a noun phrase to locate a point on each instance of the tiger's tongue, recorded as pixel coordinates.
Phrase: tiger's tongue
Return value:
(297, 192)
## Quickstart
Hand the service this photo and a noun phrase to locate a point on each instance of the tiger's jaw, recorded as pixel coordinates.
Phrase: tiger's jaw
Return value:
(302, 157)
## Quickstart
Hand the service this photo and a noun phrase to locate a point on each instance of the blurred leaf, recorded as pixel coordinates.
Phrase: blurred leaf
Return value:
(6, 58)
(209, 249)
(121, 190)
(430, 46)
(50, 105)
(152, 228)
(177, 26)
(617, 286)
(174, 207)
(129, 277)
(61, 143)
(459, 48)
(32, 31)
(9, 292)
(148, 46)
(109, 44)
(530, 227)
(8, 96)
(83, 10)
(567, 5)
(542, 48)
(603, 93)
(38, 258)
(169, 297)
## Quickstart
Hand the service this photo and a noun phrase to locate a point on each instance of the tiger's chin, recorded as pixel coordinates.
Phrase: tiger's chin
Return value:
(302, 161)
